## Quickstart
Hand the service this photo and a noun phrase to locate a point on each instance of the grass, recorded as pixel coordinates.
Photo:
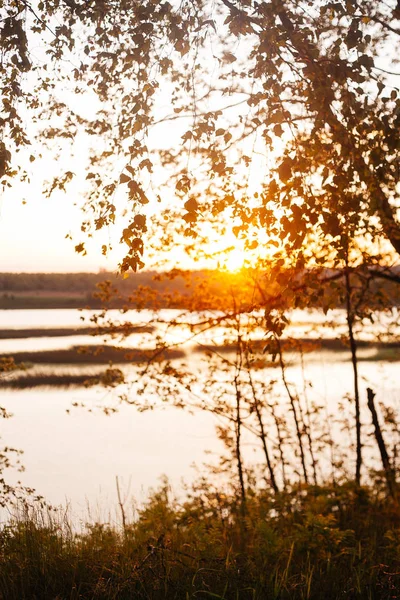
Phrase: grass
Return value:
(311, 543)
(12, 334)
(97, 354)
(310, 345)
(15, 300)
(104, 354)
(53, 380)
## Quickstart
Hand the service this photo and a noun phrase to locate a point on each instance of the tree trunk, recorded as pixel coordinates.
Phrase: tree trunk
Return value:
(353, 349)
(294, 410)
(389, 472)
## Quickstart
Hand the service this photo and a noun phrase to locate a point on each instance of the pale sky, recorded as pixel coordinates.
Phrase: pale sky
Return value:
(32, 235)
(33, 228)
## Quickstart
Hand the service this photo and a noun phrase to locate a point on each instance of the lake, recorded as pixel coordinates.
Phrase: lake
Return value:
(74, 457)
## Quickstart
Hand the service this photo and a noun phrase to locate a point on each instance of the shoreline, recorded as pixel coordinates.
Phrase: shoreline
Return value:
(88, 363)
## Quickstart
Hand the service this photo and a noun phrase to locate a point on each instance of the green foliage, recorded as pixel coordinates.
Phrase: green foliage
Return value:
(307, 86)
(308, 543)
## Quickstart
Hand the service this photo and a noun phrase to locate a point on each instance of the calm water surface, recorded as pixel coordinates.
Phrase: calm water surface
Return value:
(76, 456)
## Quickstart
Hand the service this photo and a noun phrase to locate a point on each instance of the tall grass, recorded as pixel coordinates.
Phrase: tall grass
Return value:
(311, 543)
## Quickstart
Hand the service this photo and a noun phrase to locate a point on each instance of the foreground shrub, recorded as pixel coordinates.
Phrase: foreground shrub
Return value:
(330, 542)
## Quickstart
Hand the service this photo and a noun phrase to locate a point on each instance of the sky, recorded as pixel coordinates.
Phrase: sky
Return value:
(33, 232)
(32, 235)
(33, 228)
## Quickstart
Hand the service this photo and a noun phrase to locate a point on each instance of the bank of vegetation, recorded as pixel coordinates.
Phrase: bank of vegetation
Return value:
(332, 542)
(174, 289)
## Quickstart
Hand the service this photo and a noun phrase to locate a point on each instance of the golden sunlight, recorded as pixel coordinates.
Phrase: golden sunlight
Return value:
(234, 259)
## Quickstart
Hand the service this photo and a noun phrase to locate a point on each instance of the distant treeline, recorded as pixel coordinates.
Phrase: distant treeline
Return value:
(78, 290)
(82, 283)
(188, 289)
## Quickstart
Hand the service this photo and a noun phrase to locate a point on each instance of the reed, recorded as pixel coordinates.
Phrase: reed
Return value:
(329, 542)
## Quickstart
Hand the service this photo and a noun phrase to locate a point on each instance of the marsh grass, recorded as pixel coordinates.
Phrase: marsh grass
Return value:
(311, 543)
(13, 334)
(97, 354)
(104, 354)
(48, 380)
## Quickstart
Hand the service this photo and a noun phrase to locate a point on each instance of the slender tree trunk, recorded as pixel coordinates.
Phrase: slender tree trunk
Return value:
(262, 435)
(121, 504)
(387, 467)
(238, 421)
(294, 410)
(280, 444)
(307, 426)
(354, 362)
(238, 452)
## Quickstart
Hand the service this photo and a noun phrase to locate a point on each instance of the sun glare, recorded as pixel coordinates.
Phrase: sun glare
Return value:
(234, 260)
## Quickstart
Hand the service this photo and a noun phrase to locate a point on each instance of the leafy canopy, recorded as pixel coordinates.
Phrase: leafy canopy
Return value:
(277, 120)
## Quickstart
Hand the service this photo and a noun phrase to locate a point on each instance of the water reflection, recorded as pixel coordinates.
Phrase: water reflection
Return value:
(77, 456)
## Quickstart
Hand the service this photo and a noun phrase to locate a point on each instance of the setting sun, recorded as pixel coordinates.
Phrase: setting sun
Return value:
(234, 259)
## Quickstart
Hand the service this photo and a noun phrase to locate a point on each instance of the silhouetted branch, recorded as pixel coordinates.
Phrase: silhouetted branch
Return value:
(389, 473)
